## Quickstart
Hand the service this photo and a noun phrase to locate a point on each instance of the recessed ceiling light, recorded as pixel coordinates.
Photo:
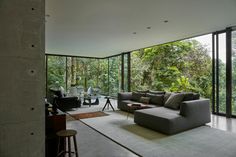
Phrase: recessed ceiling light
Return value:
(134, 32)
(166, 21)
(149, 27)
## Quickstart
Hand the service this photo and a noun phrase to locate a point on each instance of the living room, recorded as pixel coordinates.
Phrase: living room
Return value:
(123, 62)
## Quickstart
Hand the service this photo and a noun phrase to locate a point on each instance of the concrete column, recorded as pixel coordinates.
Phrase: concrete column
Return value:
(22, 89)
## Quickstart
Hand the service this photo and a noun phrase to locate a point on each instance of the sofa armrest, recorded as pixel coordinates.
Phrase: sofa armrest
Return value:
(125, 96)
(196, 109)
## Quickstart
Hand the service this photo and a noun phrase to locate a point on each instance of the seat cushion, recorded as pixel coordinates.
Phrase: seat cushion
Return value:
(160, 119)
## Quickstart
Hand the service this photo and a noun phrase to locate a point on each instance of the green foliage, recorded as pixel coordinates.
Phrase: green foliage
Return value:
(178, 66)
(56, 71)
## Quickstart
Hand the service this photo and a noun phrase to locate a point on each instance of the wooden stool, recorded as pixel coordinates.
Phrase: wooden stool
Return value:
(67, 134)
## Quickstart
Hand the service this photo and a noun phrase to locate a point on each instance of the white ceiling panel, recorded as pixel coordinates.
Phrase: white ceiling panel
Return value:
(101, 28)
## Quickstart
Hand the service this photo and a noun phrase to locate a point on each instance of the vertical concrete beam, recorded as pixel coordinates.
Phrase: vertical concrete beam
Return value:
(22, 47)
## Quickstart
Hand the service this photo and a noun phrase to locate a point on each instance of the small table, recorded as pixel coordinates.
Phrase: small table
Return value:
(108, 103)
(137, 106)
(89, 99)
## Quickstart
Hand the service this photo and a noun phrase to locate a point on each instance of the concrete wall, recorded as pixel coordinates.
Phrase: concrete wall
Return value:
(22, 72)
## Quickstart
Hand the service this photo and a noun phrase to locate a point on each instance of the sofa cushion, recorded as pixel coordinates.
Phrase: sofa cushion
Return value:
(196, 96)
(142, 91)
(157, 99)
(136, 96)
(174, 101)
(188, 96)
(144, 100)
(160, 119)
(166, 96)
(156, 92)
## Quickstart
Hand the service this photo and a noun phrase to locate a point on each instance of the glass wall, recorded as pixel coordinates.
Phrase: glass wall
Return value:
(178, 66)
(82, 72)
(114, 75)
(234, 73)
(222, 72)
(56, 71)
(103, 74)
(126, 71)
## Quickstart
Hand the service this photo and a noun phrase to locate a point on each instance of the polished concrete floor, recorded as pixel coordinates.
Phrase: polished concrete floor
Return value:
(94, 144)
(223, 123)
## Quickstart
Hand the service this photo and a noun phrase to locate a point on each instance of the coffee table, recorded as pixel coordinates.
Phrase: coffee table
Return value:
(136, 106)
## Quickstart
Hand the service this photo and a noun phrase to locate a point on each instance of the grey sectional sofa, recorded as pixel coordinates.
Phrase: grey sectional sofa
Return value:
(192, 112)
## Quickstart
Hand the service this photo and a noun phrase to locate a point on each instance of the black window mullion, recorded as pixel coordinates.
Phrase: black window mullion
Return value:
(217, 73)
(213, 73)
(228, 73)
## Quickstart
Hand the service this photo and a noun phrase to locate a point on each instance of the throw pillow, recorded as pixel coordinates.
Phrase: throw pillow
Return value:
(188, 96)
(156, 99)
(174, 101)
(136, 96)
(144, 100)
(166, 96)
(196, 96)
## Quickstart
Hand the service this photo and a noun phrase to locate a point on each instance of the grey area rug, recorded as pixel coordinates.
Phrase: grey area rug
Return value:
(200, 142)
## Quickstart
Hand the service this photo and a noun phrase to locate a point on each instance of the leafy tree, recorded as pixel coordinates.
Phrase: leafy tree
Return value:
(177, 66)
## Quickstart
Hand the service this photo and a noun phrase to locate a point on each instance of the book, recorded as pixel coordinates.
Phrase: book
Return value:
(136, 105)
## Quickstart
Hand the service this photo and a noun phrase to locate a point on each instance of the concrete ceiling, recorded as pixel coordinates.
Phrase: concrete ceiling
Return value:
(101, 28)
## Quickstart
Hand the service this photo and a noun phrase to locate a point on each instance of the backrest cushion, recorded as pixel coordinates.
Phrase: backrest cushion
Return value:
(142, 91)
(166, 96)
(136, 96)
(174, 101)
(188, 96)
(144, 100)
(156, 99)
(156, 92)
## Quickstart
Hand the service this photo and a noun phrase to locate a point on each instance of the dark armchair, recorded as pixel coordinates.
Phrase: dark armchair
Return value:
(64, 102)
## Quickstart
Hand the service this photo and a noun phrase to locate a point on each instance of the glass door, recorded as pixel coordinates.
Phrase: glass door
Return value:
(233, 40)
(219, 57)
(224, 73)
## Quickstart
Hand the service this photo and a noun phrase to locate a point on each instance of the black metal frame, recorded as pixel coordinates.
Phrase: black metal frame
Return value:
(129, 71)
(213, 74)
(228, 72)
(122, 71)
